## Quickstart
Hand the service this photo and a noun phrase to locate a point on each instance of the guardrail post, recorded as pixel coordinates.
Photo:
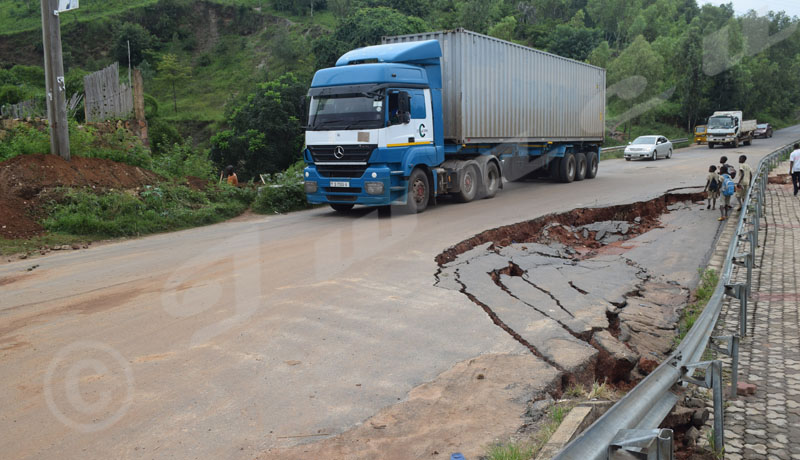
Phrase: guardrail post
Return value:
(712, 380)
(739, 291)
(731, 349)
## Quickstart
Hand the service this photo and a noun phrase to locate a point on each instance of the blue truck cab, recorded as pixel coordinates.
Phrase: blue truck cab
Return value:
(373, 120)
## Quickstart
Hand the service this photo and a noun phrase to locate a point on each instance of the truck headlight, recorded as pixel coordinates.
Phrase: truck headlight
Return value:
(374, 188)
(310, 186)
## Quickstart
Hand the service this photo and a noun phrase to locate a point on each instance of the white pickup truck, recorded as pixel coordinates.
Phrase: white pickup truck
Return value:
(728, 128)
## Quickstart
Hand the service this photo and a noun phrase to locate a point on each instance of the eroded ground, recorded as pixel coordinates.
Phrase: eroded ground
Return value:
(592, 294)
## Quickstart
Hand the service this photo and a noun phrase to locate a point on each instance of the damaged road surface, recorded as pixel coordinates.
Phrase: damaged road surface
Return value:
(590, 294)
(591, 291)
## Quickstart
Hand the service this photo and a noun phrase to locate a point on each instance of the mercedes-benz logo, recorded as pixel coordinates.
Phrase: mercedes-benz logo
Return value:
(338, 152)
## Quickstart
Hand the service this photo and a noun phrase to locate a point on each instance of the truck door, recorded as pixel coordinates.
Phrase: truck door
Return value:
(409, 118)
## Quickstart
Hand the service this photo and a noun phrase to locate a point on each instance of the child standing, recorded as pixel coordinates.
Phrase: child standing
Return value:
(745, 178)
(728, 188)
(713, 182)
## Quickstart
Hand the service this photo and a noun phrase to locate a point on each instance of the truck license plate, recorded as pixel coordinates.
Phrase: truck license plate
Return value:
(340, 184)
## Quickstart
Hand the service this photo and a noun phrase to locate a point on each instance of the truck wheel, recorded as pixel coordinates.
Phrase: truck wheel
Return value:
(338, 207)
(493, 179)
(468, 184)
(748, 141)
(710, 145)
(736, 143)
(580, 166)
(591, 165)
(418, 192)
(566, 170)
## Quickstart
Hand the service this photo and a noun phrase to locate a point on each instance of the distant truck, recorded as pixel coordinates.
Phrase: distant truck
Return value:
(729, 128)
(448, 113)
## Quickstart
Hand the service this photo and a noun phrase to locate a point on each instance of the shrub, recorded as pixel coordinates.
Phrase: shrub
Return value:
(283, 192)
(180, 160)
(24, 140)
(155, 209)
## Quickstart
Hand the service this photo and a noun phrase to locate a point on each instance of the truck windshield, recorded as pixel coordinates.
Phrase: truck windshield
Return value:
(720, 122)
(346, 111)
(700, 129)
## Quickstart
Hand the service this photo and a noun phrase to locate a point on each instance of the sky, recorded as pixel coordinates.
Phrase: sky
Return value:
(791, 7)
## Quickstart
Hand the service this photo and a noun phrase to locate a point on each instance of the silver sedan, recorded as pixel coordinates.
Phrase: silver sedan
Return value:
(652, 147)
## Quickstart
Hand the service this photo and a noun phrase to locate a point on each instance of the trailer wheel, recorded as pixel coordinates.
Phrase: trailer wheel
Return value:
(580, 166)
(339, 207)
(468, 184)
(493, 179)
(418, 192)
(591, 165)
(567, 168)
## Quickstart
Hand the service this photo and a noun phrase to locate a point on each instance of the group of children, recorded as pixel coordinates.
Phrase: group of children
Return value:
(720, 183)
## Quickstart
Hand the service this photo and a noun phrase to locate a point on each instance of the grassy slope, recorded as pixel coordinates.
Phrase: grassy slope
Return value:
(222, 69)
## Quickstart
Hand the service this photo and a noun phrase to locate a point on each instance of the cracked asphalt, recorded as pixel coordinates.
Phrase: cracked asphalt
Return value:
(567, 309)
(274, 332)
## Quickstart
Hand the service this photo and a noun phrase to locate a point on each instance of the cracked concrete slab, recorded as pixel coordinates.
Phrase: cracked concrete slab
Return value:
(580, 308)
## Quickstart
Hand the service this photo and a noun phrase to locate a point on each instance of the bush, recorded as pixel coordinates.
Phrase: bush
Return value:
(283, 192)
(140, 40)
(180, 160)
(24, 140)
(163, 135)
(155, 209)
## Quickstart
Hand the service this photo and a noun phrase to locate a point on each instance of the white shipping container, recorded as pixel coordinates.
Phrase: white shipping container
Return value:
(498, 91)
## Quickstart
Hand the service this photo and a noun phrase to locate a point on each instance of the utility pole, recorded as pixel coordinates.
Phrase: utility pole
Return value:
(54, 78)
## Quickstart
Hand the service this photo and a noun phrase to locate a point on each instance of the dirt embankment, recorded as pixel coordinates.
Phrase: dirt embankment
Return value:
(25, 181)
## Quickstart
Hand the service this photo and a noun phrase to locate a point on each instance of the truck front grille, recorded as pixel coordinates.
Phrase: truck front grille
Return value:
(349, 153)
(343, 166)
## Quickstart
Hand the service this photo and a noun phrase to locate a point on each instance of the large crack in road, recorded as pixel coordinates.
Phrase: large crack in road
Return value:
(592, 292)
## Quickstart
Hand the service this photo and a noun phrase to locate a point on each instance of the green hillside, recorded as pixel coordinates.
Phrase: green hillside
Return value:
(670, 62)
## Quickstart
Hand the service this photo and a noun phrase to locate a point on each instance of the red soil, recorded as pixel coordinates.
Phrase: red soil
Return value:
(25, 179)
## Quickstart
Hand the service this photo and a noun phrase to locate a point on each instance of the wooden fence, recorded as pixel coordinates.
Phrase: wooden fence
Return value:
(30, 108)
(106, 98)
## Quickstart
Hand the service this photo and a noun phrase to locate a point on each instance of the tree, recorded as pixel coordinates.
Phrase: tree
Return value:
(600, 55)
(504, 29)
(365, 27)
(418, 8)
(140, 40)
(575, 43)
(266, 130)
(171, 71)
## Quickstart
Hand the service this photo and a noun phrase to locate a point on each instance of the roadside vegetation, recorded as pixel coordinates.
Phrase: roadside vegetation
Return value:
(532, 444)
(708, 282)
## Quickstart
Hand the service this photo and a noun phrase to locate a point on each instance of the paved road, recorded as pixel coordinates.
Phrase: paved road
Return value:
(220, 342)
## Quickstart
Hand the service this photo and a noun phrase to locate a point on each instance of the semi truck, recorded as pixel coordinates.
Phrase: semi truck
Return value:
(448, 113)
(729, 128)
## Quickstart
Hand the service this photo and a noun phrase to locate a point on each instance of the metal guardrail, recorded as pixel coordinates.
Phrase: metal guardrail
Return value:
(622, 147)
(638, 413)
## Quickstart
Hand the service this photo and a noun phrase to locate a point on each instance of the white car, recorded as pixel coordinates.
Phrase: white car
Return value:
(652, 147)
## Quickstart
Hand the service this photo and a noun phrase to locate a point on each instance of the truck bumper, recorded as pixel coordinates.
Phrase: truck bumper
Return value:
(378, 186)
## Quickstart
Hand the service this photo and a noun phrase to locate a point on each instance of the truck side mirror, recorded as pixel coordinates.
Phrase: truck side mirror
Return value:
(404, 106)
